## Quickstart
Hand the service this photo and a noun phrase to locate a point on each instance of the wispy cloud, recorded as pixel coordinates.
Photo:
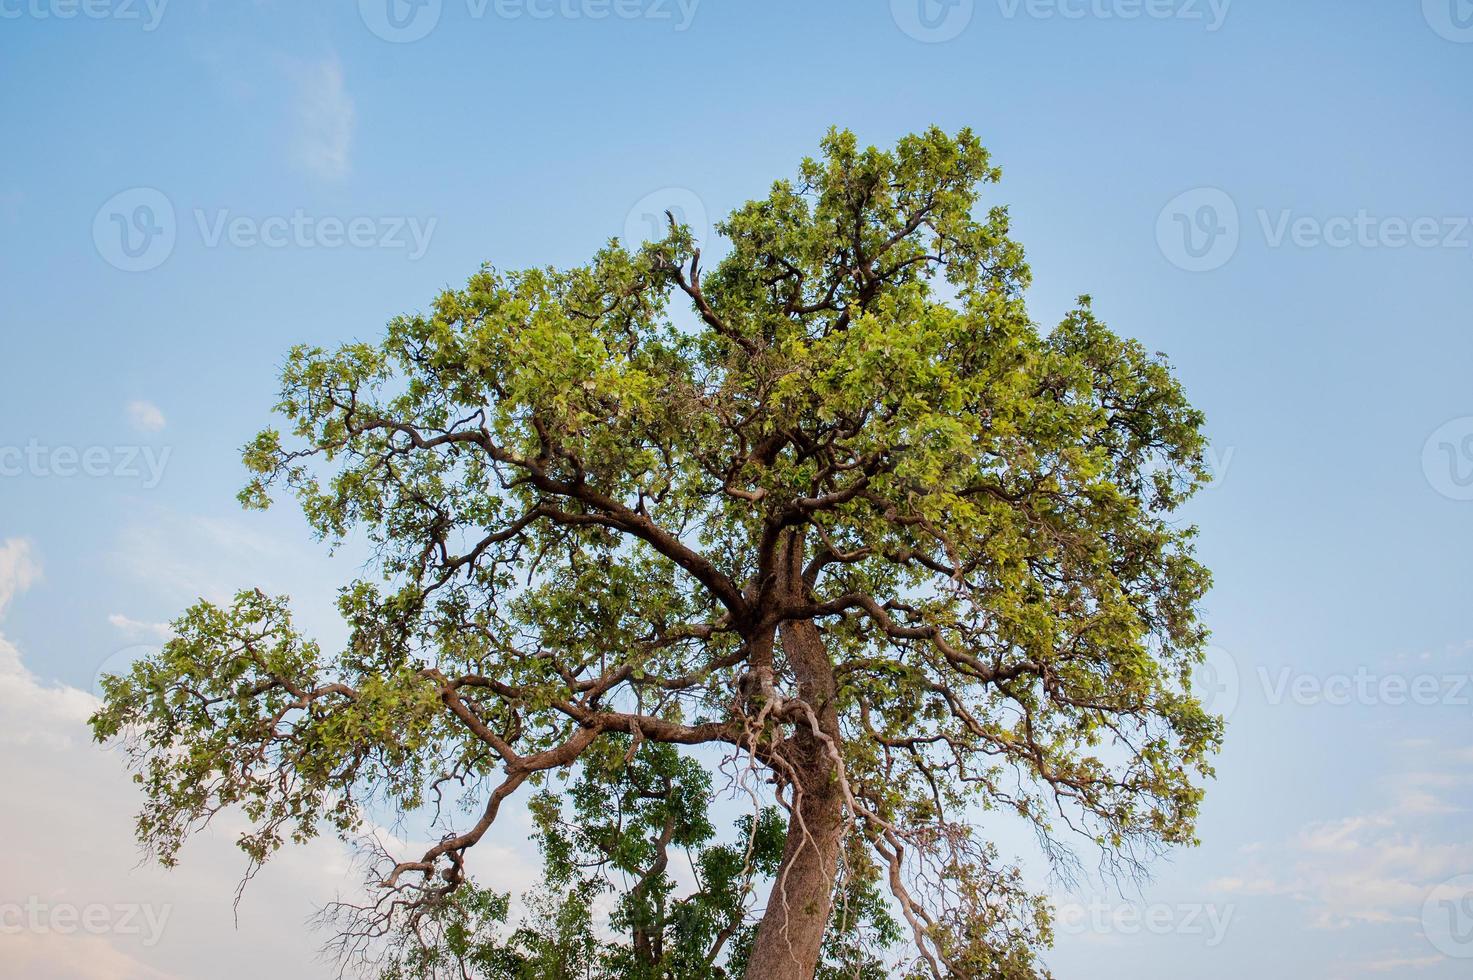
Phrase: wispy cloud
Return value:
(1377, 868)
(1248, 886)
(135, 629)
(186, 557)
(325, 118)
(54, 956)
(18, 570)
(145, 416)
(181, 922)
(1401, 964)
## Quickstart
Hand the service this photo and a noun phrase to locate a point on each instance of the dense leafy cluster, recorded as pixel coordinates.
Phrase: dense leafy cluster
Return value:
(634, 820)
(835, 509)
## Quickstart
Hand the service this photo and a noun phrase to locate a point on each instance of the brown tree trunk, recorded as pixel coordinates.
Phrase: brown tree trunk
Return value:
(790, 935)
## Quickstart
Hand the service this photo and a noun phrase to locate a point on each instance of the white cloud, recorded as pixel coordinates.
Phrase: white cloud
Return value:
(1368, 869)
(185, 557)
(135, 629)
(57, 956)
(68, 830)
(1234, 885)
(69, 847)
(1372, 870)
(1401, 964)
(325, 118)
(179, 558)
(145, 416)
(18, 570)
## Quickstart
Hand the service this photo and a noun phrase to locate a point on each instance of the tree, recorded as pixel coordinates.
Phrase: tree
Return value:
(836, 508)
(632, 804)
(634, 811)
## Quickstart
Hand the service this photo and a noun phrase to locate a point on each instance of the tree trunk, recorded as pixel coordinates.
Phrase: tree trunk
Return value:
(790, 935)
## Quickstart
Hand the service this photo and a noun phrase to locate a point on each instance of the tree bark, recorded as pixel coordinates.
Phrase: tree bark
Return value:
(790, 935)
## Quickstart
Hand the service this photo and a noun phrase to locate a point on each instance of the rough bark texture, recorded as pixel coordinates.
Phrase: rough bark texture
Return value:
(790, 935)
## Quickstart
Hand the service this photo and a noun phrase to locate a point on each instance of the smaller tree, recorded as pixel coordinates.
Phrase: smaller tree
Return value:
(635, 813)
(630, 808)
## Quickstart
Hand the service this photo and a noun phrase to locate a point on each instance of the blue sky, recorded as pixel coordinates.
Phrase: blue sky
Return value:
(1274, 194)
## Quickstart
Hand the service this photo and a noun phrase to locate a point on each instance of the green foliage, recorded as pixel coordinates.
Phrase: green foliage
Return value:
(591, 523)
(619, 828)
(622, 828)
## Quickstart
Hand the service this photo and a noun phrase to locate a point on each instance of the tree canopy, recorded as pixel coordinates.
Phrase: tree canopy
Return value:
(834, 512)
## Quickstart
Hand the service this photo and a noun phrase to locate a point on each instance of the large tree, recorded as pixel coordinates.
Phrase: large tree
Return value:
(834, 511)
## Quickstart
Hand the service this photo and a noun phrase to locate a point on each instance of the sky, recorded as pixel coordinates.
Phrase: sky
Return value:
(1274, 194)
